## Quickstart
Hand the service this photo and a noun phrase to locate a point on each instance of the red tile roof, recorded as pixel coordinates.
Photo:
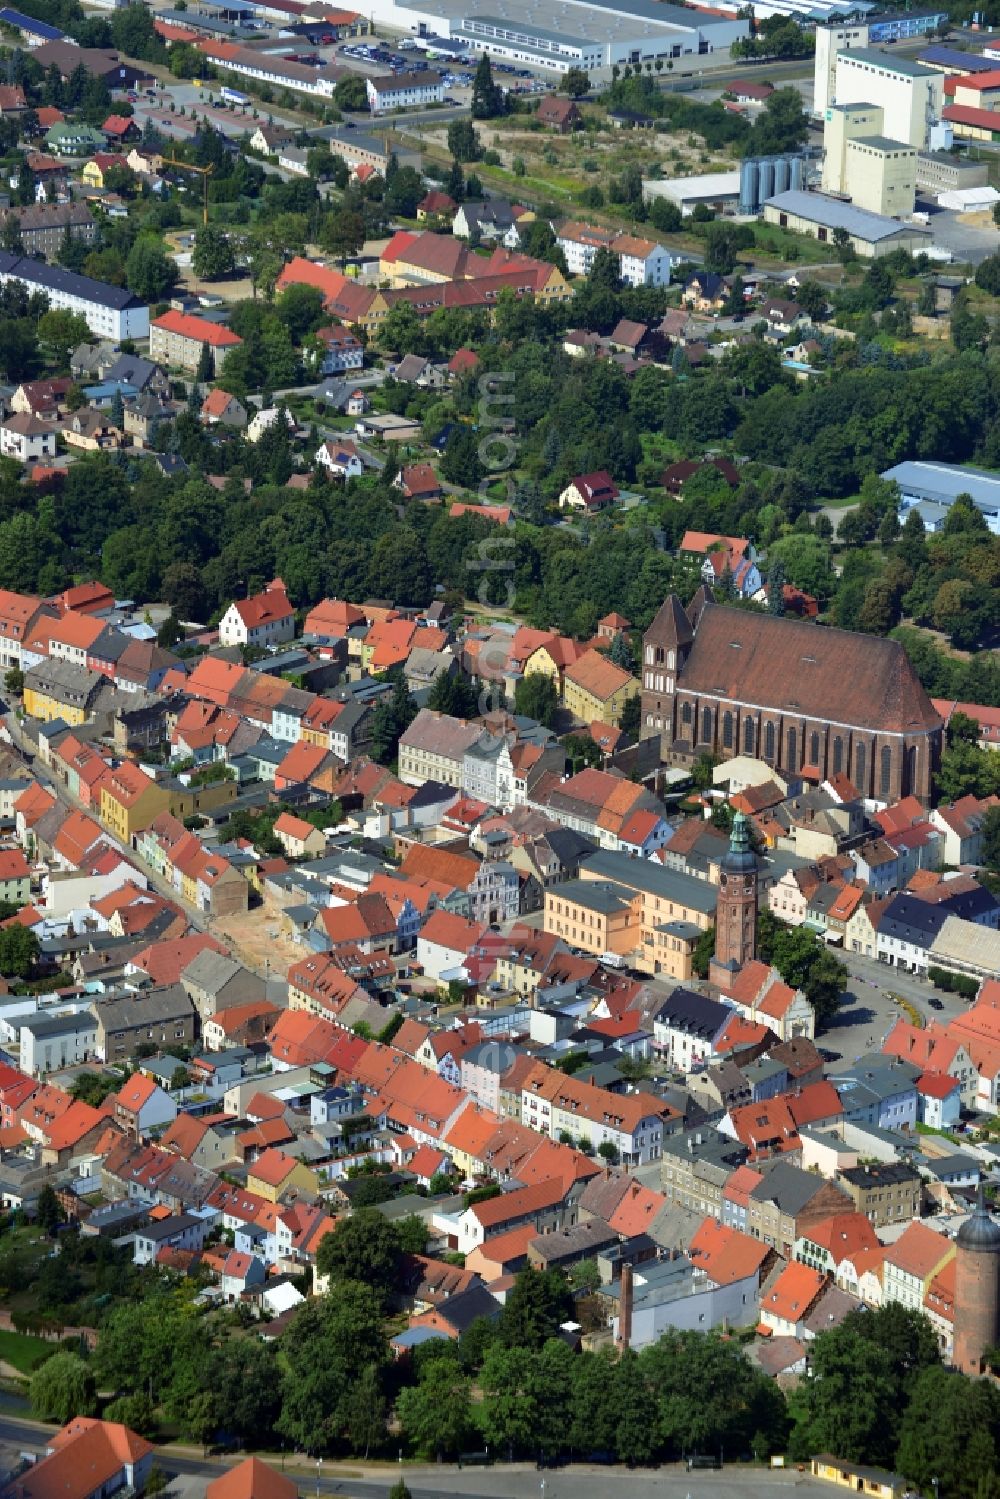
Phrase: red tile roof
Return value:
(199, 329)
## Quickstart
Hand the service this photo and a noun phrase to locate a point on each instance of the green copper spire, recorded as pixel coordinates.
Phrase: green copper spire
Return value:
(740, 855)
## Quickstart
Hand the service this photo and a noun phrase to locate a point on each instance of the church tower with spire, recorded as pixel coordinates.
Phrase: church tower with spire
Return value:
(736, 907)
(665, 648)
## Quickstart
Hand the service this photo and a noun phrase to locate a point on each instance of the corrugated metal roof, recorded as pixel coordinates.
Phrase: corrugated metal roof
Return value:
(835, 215)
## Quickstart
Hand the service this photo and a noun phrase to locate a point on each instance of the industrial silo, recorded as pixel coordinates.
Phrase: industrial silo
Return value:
(749, 187)
(766, 179)
(782, 174)
(798, 176)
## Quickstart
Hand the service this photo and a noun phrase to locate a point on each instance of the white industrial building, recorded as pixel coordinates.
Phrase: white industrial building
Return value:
(910, 97)
(717, 190)
(568, 33)
(110, 311)
(932, 488)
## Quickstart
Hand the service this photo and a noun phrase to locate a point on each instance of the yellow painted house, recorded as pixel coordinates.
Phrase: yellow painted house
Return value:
(274, 1173)
(60, 689)
(130, 801)
(99, 165)
(595, 689)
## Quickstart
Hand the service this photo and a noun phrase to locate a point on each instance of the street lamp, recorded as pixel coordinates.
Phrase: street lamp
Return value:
(319, 1471)
(935, 1485)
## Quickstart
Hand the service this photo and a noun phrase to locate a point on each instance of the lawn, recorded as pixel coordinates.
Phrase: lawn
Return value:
(24, 1353)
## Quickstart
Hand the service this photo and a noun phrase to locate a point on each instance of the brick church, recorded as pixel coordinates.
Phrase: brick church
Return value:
(810, 701)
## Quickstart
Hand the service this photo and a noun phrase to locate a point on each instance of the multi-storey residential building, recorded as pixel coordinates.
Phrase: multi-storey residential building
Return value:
(887, 1192)
(404, 90)
(177, 339)
(433, 748)
(44, 226)
(641, 262)
(634, 1124)
(696, 1167)
(109, 311)
(912, 1262)
(649, 915)
(127, 1021)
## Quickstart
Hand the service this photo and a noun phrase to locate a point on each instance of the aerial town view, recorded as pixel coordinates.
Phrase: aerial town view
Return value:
(499, 749)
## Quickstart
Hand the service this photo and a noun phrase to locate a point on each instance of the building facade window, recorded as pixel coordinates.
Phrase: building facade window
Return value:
(727, 731)
(838, 755)
(706, 725)
(814, 749)
(769, 742)
(885, 771)
(860, 767)
(748, 737)
(792, 743)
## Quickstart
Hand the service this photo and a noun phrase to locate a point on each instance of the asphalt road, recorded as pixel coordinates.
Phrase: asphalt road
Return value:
(190, 1475)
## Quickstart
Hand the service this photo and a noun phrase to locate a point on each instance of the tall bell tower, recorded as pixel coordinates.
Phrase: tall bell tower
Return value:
(736, 908)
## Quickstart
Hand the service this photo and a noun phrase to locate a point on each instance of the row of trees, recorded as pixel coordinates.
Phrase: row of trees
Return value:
(877, 1391)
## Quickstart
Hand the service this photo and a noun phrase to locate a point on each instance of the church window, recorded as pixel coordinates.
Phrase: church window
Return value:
(686, 713)
(727, 731)
(793, 746)
(706, 725)
(814, 749)
(885, 776)
(769, 742)
(860, 767)
(748, 737)
(838, 755)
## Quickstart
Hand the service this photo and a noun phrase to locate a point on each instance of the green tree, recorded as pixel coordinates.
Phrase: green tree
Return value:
(206, 366)
(149, 271)
(510, 1410)
(13, 681)
(364, 1248)
(61, 331)
(332, 1340)
(780, 126)
(63, 1387)
(635, 1436)
(48, 1212)
(212, 256)
(436, 1412)
(488, 99)
(463, 142)
(575, 82)
(948, 1433)
(535, 696)
(535, 1309)
(991, 838)
(18, 951)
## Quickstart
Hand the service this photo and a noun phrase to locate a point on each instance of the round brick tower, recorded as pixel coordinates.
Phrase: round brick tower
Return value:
(977, 1289)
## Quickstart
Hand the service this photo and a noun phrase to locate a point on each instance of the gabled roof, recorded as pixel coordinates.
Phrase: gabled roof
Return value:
(726, 1254)
(796, 1290)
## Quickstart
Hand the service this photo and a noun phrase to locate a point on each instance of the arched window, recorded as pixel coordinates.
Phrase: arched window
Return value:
(748, 737)
(686, 713)
(885, 772)
(727, 731)
(838, 755)
(911, 770)
(706, 725)
(860, 768)
(792, 743)
(769, 742)
(814, 749)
